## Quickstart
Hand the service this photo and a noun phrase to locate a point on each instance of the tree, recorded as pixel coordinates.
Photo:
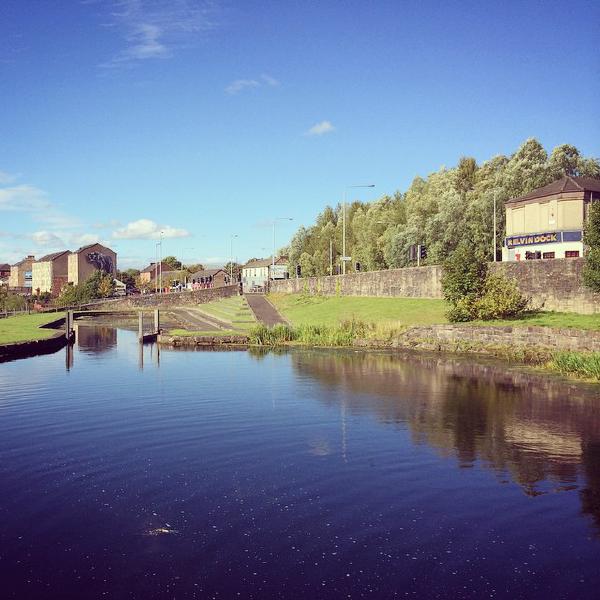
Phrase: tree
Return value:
(194, 268)
(172, 262)
(591, 238)
(233, 267)
(128, 277)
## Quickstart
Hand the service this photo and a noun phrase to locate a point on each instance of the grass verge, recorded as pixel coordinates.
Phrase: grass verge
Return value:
(579, 364)
(25, 328)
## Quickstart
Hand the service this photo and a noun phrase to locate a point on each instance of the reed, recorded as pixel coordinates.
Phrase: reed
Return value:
(580, 364)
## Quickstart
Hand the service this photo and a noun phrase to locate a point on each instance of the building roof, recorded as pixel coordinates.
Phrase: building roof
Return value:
(206, 273)
(91, 246)
(154, 266)
(53, 256)
(265, 262)
(24, 260)
(4, 267)
(561, 186)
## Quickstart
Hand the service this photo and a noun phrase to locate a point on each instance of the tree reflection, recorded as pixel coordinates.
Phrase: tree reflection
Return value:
(542, 432)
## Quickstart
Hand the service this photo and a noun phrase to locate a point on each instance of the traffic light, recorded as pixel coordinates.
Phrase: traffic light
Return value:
(298, 271)
(422, 252)
(357, 267)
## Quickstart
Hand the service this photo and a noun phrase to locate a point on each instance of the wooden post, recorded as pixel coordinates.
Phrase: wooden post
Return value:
(141, 326)
(156, 321)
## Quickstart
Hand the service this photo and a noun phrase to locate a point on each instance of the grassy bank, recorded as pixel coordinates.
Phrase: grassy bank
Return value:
(233, 312)
(400, 312)
(330, 310)
(24, 328)
(585, 365)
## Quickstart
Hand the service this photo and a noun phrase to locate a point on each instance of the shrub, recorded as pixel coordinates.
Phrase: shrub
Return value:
(464, 274)
(501, 299)
(591, 238)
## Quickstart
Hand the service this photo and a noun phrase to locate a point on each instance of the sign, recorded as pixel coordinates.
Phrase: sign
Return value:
(346, 258)
(534, 238)
(279, 271)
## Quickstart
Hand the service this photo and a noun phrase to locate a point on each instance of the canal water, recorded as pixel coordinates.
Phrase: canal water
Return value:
(302, 474)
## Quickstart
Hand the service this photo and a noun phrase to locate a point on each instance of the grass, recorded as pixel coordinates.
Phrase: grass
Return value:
(401, 312)
(219, 333)
(551, 319)
(585, 365)
(25, 328)
(233, 312)
(331, 310)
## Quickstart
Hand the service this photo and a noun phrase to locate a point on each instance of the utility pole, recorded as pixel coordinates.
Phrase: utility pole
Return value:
(330, 257)
(494, 249)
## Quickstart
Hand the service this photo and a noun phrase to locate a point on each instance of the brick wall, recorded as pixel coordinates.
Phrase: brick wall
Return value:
(551, 284)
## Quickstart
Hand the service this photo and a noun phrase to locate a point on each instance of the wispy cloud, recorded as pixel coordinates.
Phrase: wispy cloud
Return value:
(321, 128)
(22, 198)
(6, 178)
(153, 29)
(239, 85)
(145, 229)
(47, 239)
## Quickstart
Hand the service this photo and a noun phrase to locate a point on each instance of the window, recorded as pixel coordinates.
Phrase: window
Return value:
(571, 253)
(548, 255)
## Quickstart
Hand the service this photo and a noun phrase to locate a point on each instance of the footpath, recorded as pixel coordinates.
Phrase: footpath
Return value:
(264, 311)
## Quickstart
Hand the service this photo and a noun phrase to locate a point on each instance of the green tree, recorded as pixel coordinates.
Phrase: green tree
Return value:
(128, 277)
(591, 238)
(172, 262)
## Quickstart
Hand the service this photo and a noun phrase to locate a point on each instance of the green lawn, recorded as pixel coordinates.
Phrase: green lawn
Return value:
(330, 310)
(26, 327)
(552, 319)
(234, 313)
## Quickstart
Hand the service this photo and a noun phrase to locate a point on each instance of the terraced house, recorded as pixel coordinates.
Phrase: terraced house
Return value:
(50, 273)
(20, 275)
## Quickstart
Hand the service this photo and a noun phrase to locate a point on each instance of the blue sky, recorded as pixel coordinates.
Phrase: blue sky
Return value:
(203, 119)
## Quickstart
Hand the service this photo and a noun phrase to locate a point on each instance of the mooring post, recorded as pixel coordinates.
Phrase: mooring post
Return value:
(68, 324)
(156, 321)
(141, 326)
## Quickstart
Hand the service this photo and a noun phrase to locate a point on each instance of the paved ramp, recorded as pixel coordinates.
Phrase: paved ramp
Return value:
(263, 310)
(194, 320)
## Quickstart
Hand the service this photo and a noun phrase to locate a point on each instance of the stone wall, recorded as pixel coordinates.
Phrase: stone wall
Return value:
(472, 338)
(551, 284)
(166, 300)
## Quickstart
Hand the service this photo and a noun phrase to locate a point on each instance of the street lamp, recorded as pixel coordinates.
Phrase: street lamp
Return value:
(344, 257)
(275, 221)
(233, 235)
(160, 262)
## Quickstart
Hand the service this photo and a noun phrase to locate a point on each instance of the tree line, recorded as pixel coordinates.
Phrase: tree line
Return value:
(449, 207)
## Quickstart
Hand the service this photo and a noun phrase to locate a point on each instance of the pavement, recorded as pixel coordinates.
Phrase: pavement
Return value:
(195, 320)
(263, 310)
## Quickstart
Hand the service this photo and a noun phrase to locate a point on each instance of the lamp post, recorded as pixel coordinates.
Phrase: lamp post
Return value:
(344, 257)
(160, 263)
(233, 235)
(494, 249)
(275, 221)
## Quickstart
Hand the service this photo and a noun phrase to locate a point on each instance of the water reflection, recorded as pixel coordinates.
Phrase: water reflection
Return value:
(95, 339)
(543, 433)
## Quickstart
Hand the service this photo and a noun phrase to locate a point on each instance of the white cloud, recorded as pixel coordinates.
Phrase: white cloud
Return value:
(6, 178)
(56, 219)
(47, 239)
(145, 229)
(152, 29)
(321, 128)
(239, 85)
(23, 198)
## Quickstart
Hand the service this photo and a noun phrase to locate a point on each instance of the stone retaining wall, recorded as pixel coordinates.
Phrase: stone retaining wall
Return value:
(551, 284)
(166, 300)
(468, 338)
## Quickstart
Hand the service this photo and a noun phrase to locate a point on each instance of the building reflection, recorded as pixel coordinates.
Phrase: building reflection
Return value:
(541, 432)
(95, 339)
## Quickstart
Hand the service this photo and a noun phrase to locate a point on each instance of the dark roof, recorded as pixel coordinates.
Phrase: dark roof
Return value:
(23, 261)
(151, 267)
(265, 262)
(53, 256)
(90, 246)
(4, 267)
(206, 273)
(561, 186)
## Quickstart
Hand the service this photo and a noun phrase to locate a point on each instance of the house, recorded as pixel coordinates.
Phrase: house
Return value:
(20, 275)
(50, 273)
(151, 272)
(88, 259)
(4, 273)
(256, 273)
(548, 222)
(209, 278)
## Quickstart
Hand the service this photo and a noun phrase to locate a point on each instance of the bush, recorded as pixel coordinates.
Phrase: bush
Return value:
(591, 238)
(501, 299)
(464, 274)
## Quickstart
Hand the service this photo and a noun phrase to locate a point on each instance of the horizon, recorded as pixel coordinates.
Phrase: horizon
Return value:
(197, 119)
